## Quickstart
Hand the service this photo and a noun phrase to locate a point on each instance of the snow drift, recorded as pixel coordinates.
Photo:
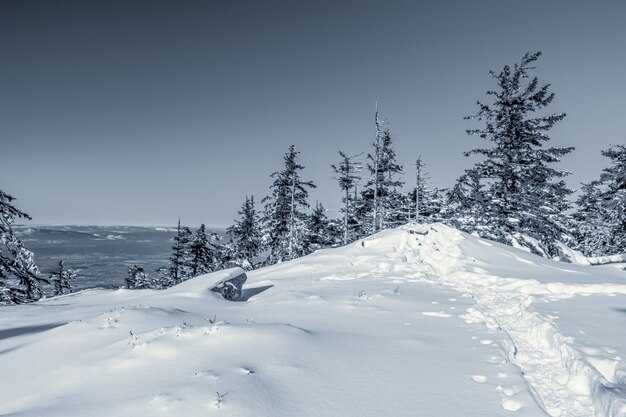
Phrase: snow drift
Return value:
(418, 320)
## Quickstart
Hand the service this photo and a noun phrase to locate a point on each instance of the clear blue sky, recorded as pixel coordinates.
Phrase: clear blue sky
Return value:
(129, 112)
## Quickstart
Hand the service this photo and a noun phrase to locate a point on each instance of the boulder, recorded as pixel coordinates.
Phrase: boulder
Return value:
(231, 288)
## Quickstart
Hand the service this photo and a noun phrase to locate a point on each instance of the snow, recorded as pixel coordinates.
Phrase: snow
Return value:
(419, 320)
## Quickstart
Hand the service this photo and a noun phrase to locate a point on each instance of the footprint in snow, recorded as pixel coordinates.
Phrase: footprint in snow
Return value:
(436, 314)
(481, 379)
(206, 374)
(511, 405)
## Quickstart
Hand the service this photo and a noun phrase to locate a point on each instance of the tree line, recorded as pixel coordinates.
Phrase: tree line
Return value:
(513, 194)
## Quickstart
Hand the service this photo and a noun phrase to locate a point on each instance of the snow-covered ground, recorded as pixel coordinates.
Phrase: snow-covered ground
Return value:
(415, 321)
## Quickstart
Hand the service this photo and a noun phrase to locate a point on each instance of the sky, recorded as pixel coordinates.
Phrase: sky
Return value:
(141, 113)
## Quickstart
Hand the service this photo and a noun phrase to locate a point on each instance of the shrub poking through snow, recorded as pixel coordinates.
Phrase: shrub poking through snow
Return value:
(60, 279)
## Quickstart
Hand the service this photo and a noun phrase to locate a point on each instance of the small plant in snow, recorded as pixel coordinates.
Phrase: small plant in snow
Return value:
(363, 295)
(219, 399)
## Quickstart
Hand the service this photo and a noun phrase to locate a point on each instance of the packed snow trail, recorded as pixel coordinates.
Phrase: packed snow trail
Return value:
(563, 381)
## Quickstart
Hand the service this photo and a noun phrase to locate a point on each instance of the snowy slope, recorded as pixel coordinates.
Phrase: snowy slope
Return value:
(415, 321)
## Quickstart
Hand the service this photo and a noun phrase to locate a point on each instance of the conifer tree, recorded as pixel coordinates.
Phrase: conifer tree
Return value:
(245, 235)
(179, 260)
(320, 231)
(425, 204)
(60, 279)
(514, 194)
(284, 219)
(202, 257)
(381, 199)
(19, 276)
(347, 171)
(602, 208)
(137, 279)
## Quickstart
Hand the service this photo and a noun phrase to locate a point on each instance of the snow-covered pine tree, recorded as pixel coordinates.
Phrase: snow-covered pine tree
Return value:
(245, 235)
(162, 278)
(347, 171)
(381, 201)
(513, 195)
(202, 256)
(179, 260)
(60, 279)
(19, 276)
(424, 203)
(137, 279)
(284, 221)
(421, 193)
(320, 231)
(601, 213)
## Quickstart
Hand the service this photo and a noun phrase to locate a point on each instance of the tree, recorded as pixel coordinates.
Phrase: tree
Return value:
(347, 176)
(321, 232)
(245, 235)
(137, 279)
(513, 194)
(60, 279)
(19, 276)
(425, 204)
(202, 256)
(179, 260)
(284, 220)
(381, 200)
(602, 208)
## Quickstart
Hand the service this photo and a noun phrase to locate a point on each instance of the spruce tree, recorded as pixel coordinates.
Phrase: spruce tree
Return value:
(514, 193)
(320, 230)
(137, 279)
(179, 269)
(60, 279)
(602, 208)
(284, 219)
(202, 256)
(19, 276)
(425, 204)
(245, 235)
(347, 171)
(381, 200)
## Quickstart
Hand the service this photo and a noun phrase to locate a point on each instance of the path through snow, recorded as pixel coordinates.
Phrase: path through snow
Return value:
(563, 381)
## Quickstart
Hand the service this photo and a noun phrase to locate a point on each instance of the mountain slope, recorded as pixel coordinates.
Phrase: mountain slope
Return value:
(419, 320)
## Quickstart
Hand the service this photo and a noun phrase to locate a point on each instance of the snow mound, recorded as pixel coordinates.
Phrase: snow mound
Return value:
(418, 320)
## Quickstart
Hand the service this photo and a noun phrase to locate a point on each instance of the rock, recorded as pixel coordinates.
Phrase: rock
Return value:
(231, 288)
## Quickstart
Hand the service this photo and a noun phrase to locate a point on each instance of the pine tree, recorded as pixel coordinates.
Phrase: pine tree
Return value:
(284, 220)
(245, 235)
(347, 176)
(425, 204)
(602, 208)
(320, 231)
(19, 276)
(514, 194)
(60, 279)
(137, 279)
(179, 260)
(202, 255)
(381, 199)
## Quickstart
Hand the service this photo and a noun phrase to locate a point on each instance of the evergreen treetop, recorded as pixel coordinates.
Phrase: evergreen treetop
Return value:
(514, 193)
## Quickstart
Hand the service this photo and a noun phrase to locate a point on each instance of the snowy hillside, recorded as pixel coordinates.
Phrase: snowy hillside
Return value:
(415, 321)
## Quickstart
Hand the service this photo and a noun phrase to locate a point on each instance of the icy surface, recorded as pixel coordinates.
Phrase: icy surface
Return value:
(415, 321)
